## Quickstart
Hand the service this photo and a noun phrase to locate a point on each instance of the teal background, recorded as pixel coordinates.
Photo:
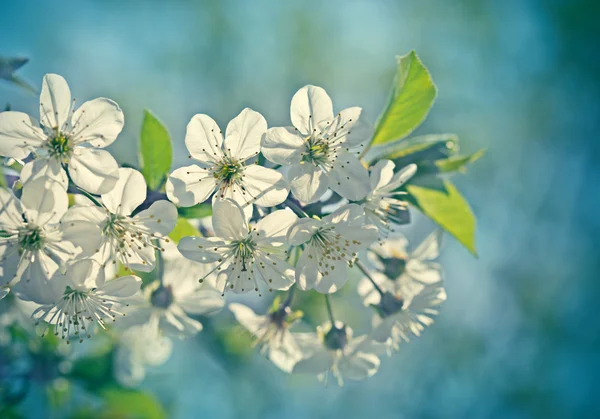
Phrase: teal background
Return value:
(518, 336)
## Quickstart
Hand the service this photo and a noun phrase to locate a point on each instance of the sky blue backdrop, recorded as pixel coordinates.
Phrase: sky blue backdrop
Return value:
(518, 337)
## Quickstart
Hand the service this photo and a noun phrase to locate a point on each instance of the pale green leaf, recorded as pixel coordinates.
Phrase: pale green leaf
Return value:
(182, 229)
(458, 163)
(449, 209)
(125, 403)
(413, 93)
(156, 153)
(416, 149)
(195, 212)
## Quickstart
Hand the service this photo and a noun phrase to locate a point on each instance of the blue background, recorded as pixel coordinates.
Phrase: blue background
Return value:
(518, 336)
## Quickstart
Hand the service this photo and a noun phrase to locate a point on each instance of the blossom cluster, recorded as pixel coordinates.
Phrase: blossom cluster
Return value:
(293, 209)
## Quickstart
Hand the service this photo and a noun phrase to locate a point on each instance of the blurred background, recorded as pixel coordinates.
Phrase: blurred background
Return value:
(519, 334)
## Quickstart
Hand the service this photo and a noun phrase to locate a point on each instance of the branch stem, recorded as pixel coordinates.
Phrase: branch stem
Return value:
(369, 277)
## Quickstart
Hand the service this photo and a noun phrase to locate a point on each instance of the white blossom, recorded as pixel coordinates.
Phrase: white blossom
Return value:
(76, 300)
(131, 240)
(272, 333)
(65, 137)
(33, 241)
(331, 245)
(246, 256)
(382, 206)
(406, 268)
(406, 313)
(224, 165)
(407, 302)
(334, 350)
(320, 148)
(172, 300)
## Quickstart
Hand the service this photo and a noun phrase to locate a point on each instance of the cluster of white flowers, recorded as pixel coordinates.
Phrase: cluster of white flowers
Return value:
(267, 186)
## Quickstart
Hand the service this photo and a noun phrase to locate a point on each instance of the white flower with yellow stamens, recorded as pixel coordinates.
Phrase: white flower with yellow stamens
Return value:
(382, 206)
(331, 245)
(320, 148)
(65, 137)
(246, 256)
(33, 241)
(131, 240)
(76, 300)
(223, 165)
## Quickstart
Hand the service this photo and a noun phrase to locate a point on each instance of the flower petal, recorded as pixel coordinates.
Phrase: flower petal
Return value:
(274, 227)
(266, 187)
(276, 273)
(160, 218)
(308, 183)
(10, 210)
(310, 105)
(315, 363)
(253, 322)
(19, 134)
(127, 194)
(358, 366)
(423, 271)
(83, 234)
(190, 185)
(401, 178)
(307, 272)
(229, 221)
(283, 145)
(44, 201)
(429, 249)
(85, 275)
(349, 178)
(202, 249)
(94, 170)
(302, 231)
(333, 276)
(203, 139)
(351, 125)
(97, 122)
(125, 286)
(381, 174)
(202, 301)
(44, 168)
(55, 102)
(243, 134)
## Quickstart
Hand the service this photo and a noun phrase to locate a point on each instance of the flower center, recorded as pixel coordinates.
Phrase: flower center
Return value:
(229, 171)
(331, 246)
(31, 238)
(243, 251)
(318, 152)
(336, 338)
(394, 267)
(60, 146)
(162, 297)
(390, 304)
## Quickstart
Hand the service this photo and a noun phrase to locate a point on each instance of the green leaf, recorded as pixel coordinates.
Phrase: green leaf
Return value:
(458, 163)
(413, 93)
(449, 209)
(3, 183)
(197, 211)
(182, 229)
(415, 149)
(123, 403)
(156, 152)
